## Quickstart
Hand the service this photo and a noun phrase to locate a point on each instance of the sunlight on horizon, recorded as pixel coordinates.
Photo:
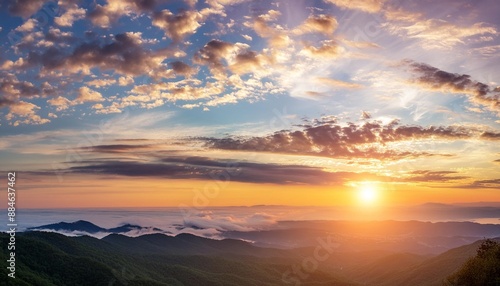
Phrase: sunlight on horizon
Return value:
(368, 193)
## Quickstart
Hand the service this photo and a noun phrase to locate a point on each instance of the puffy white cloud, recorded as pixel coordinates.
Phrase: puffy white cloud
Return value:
(178, 26)
(27, 26)
(72, 14)
(26, 111)
(86, 94)
(61, 103)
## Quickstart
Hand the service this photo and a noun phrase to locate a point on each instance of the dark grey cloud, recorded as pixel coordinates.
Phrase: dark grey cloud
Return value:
(484, 184)
(177, 26)
(106, 15)
(116, 148)
(11, 86)
(25, 8)
(206, 169)
(182, 68)
(491, 135)
(124, 53)
(212, 53)
(434, 176)
(435, 79)
(5, 102)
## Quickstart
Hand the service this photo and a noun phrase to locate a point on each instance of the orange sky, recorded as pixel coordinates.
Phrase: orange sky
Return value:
(89, 191)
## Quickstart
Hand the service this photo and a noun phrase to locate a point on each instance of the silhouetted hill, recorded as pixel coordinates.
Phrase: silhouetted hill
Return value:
(412, 270)
(385, 268)
(45, 258)
(433, 271)
(83, 226)
(188, 244)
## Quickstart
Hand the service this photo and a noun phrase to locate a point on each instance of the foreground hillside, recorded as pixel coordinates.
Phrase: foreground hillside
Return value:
(54, 259)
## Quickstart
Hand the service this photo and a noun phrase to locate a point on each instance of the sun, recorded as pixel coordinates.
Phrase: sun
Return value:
(367, 194)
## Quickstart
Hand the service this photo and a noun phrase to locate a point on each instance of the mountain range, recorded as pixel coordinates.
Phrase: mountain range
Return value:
(86, 227)
(48, 258)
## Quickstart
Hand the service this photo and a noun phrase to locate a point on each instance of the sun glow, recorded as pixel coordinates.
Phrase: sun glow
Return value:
(368, 194)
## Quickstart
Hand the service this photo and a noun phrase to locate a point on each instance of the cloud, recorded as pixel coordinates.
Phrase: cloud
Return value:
(216, 53)
(199, 220)
(370, 6)
(27, 112)
(25, 8)
(203, 168)
(434, 176)
(337, 83)
(11, 87)
(86, 94)
(124, 54)
(61, 103)
(125, 80)
(5, 102)
(398, 14)
(247, 37)
(433, 33)
(101, 82)
(72, 14)
(328, 49)
(276, 34)
(487, 51)
(490, 135)
(323, 24)
(105, 15)
(365, 115)
(368, 140)
(432, 78)
(247, 62)
(116, 148)
(483, 184)
(178, 26)
(27, 26)
(183, 68)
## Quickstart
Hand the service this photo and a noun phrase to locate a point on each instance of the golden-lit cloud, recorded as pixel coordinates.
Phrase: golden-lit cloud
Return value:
(337, 83)
(324, 24)
(71, 14)
(61, 103)
(86, 94)
(25, 113)
(370, 6)
(112, 10)
(177, 26)
(327, 50)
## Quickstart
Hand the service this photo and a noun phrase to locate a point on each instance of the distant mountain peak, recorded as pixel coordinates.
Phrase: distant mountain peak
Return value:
(84, 226)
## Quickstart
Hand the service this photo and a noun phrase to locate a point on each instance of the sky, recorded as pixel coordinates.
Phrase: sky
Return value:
(151, 103)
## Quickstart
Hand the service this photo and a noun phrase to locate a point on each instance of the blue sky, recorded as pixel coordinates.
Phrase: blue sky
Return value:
(343, 87)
